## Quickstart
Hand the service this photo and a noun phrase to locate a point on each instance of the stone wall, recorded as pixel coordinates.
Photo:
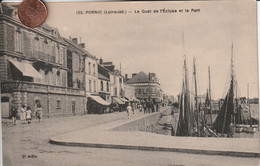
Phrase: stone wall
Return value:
(142, 124)
(49, 103)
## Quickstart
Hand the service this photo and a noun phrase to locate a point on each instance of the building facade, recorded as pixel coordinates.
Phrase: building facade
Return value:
(104, 83)
(147, 87)
(34, 68)
(129, 92)
(116, 82)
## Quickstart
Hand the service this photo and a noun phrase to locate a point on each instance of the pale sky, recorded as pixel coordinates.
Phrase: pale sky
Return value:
(153, 42)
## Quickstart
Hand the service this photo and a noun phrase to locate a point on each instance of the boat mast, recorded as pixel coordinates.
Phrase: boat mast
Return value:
(238, 111)
(196, 95)
(231, 85)
(248, 101)
(210, 97)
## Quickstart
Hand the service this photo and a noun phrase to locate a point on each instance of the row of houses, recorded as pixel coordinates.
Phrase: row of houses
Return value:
(40, 66)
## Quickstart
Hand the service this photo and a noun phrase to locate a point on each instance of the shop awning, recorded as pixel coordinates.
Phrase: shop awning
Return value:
(117, 100)
(132, 98)
(100, 100)
(123, 99)
(135, 99)
(26, 68)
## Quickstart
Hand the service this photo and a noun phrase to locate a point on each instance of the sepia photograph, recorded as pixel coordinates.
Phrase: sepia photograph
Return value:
(168, 83)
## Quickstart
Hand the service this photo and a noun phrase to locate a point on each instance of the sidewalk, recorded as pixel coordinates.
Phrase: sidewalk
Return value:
(102, 137)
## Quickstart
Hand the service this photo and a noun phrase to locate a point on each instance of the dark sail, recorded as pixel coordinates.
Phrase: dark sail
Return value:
(185, 123)
(223, 120)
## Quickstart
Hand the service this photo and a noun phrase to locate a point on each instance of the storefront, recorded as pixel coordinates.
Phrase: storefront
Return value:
(97, 105)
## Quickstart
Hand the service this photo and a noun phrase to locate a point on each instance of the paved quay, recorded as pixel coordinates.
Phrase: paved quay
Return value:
(102, 136)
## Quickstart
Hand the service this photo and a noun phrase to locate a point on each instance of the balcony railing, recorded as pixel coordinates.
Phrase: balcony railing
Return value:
(43, 56)
(10, 86)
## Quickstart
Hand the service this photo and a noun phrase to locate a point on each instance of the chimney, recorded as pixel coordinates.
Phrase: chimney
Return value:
(152, 77)
(101, 61)
(82, 45)
(134, 74)
(75, 40)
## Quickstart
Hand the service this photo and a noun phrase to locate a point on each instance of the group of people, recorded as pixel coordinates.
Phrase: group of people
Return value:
(150, 107)
(26, 113)
(146, 107)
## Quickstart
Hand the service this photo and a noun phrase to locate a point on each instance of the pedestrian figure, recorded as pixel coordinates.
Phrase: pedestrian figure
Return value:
(129, 110)
(133, 108)
(145, 109)
(148, 107)
(140, 107)
(153, 106)
(23, 113)
(39, 112)
(157, 107)
(14, 112)
(28, 114)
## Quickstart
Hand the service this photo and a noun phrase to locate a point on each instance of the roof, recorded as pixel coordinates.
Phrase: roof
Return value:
(79, 48)
(102, 77)
(45, 30)
(141, 77)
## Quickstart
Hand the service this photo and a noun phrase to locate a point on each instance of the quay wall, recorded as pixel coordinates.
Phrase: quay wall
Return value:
(143, 124)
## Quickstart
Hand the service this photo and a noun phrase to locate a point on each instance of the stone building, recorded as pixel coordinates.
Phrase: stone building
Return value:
(147, 87)
(129, 92)
(116, 83)
(75, 63)
(34, 68)
(104, 83)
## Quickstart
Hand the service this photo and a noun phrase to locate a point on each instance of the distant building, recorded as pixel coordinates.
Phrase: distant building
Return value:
(33, 68)
(254, 101)
(147, 87)
(116, 82)
(104, 83)
(75, 63)
(129, 92)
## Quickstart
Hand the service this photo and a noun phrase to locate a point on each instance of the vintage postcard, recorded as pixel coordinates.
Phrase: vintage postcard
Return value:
(130, 83)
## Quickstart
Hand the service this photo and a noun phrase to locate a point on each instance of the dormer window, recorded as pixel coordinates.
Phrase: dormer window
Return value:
(36, 44)
(45, 41)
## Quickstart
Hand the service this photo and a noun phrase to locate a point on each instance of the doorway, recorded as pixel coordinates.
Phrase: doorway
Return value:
(5, 107)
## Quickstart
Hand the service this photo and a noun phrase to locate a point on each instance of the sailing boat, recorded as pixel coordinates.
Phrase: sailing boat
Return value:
(226, 112)
(249, 128)
(185, 124)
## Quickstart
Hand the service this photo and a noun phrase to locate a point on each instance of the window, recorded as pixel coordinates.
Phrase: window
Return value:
(90, 89)
(107, 87)
(115, 90)
(94, 69)
(89, 67)
(40, 45)
(36, 44)
(114, 79)
(61, 55)
(57, 53)
(101, 86)
(58, 104)
(94, 84)
(18, 41)
(45, 46)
